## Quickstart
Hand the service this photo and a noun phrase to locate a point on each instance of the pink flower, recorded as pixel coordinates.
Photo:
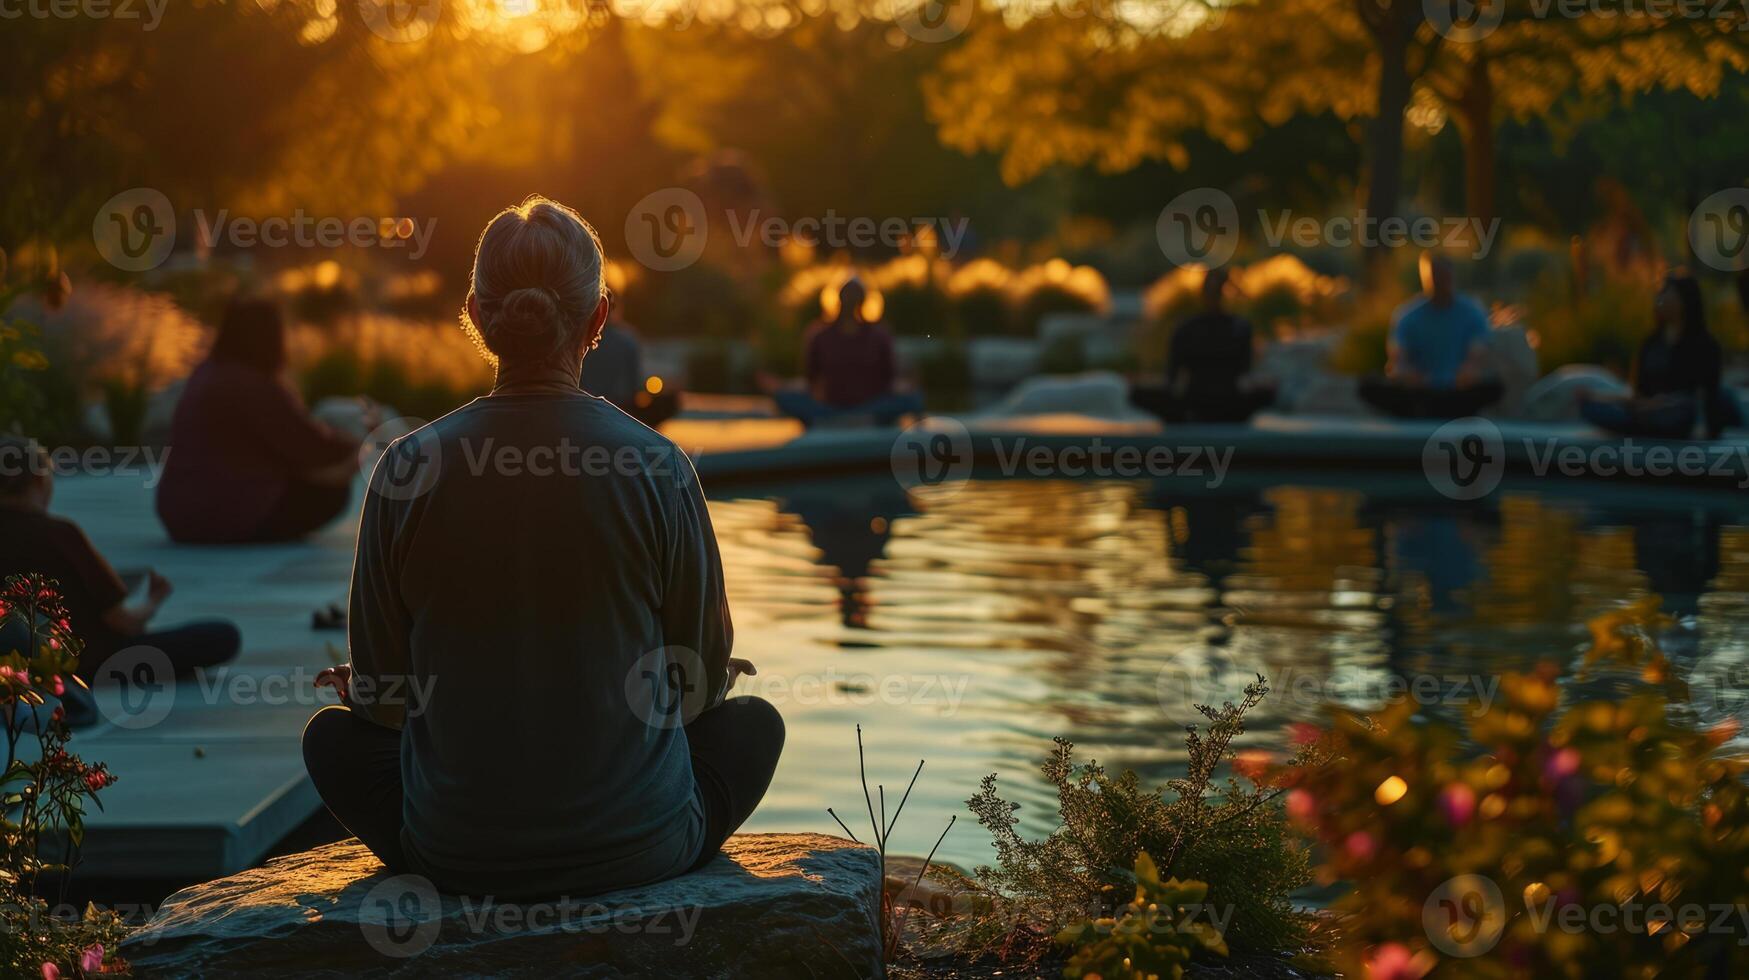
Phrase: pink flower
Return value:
(91, 960)
(1302, 807)
(1304, 733)
(60, 687)
(1360, 845)
(1253, 764)
(1392, 961)
(1458, 802)
(1562, 764)
(51, 972)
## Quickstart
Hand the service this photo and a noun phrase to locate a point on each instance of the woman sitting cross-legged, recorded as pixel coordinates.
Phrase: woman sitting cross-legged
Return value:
(539, 634)
(1675, 373)
(247, 461)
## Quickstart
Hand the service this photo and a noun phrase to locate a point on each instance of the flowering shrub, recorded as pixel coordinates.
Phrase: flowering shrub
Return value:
(1595, 838)
(1233, 837)
(43, 792)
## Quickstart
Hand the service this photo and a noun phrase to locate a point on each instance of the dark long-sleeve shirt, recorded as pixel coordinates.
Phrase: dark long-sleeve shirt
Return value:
(1691, 367)
(550, 588)
(238, 441)
(848, 366)
(1213, 351)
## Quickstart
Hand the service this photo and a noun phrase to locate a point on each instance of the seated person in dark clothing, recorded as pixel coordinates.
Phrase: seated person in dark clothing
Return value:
(1437, 353)
(1675, 374)
(850, 368)
(615, 371)
(1207, 366)
(94, 594)
(591, 590)
(247, 462)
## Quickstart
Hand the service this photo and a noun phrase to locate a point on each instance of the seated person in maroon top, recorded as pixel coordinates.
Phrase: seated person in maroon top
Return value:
(850, 368)
(247, 462)
(95, 596)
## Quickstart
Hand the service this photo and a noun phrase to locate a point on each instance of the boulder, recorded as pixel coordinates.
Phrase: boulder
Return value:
(1099, 394)
(1555, 398)
(773, 905)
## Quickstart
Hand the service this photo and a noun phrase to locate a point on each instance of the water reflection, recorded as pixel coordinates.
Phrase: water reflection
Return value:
(971, 624)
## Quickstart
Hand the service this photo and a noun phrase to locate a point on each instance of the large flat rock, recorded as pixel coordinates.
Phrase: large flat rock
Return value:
(774, 905)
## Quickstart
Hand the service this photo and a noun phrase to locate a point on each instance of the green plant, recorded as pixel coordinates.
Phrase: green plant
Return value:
(43, 792)
(1153, 936)
(1603, 326)
(1472, 848)
(23, 403)
(1235, 837)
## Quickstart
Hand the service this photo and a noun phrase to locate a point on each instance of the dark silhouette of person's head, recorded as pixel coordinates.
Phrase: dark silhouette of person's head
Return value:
(538, 298)
(1438, 278)
(1679, 304)
(252, 333)
(1214, 289)
(851, 297)
(26, 473)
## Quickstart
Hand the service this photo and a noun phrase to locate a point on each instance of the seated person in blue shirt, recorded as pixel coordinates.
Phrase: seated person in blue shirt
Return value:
(1437, 353)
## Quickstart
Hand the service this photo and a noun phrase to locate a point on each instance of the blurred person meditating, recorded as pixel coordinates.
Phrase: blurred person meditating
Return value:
(1437, 355)
(849, 367)
(247, 462)
(97, 599)
(615, 371)
(1208, 365)
(1675, 373)
(579, 606)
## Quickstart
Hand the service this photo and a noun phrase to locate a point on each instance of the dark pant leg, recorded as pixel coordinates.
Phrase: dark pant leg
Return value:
(1159, 402)
(191, 647)
(798, 404)
(356, 768)
(735, 747)
(888, 409)
(306, 507)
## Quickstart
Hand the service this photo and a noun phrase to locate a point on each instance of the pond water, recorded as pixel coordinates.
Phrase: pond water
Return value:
(970, 625)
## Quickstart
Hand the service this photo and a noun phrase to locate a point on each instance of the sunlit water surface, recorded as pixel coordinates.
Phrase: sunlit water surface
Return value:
(969, 626)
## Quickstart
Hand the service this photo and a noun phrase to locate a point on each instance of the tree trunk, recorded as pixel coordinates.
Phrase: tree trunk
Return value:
(1476, 125)
(1384, 185)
